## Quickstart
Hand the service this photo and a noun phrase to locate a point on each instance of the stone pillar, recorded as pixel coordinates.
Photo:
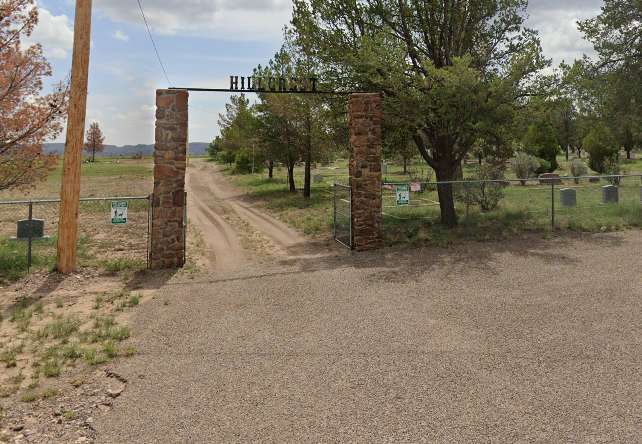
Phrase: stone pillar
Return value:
(167, 232)
(365, 115)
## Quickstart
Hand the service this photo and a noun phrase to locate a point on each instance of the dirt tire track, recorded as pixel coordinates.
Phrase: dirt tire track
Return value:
(222, 249)
(207, 187)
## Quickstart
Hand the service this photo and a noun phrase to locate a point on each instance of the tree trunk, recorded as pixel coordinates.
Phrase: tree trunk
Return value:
(568, 149)
(446, 198)
(628, 150)
(270, 169)
(291, 176)
(405, 166)
(93, 155)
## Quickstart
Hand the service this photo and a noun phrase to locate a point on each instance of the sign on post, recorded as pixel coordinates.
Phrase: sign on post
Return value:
(119, 212)
(403, 195)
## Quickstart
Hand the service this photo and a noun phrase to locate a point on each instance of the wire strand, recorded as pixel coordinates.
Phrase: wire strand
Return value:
(151, 37)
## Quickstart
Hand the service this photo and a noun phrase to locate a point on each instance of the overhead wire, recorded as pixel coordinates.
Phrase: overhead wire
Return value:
(151, 37)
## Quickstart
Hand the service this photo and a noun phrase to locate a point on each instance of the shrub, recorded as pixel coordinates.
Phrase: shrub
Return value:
(612, 168)
(600, 144)
(245, 160)
(524, 166)
(540, 141)
(578, 168)
(478, 192)
(225, 157)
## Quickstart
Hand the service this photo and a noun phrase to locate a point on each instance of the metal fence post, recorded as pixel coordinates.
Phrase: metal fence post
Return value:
(552, 205)
(150, 206)
(184, 228)
(334, 211)
(30, 241)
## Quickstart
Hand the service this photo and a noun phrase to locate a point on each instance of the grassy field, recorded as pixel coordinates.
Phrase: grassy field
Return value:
(523, 208)
(101, 243)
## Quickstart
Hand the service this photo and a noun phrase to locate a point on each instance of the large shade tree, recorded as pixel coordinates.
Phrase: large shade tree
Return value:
(27, 118)
(615, 79)
(452, 70)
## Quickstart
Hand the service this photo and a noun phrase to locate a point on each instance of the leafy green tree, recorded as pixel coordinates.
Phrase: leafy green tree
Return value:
(616, 35)
(295, 127)
(452, 70)
(214, 148)
(238, 127)
(601, 147)
(541, 141)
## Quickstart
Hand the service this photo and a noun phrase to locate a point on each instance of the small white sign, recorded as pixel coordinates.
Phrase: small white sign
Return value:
(403, 195)
(119, 212)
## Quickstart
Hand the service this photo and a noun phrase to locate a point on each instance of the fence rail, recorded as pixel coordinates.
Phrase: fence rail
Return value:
(565, 201)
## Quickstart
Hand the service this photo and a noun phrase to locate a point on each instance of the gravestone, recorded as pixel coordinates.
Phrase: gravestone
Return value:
(35, 226)
(568, 197)
(610, 194)
(594, 179)
(549, 178)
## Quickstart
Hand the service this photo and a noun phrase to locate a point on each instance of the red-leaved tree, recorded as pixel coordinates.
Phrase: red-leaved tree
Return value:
(27, 118)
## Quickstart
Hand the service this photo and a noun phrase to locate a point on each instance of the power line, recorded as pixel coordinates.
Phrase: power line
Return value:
(151, 37)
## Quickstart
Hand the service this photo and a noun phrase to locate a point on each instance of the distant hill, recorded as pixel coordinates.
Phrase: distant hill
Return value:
(195, 148)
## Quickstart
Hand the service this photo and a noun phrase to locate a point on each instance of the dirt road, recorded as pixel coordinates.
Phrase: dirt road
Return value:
(233, 231)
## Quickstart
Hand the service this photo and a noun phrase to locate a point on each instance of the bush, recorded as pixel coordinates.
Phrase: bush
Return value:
(578, 168)
(612, 168)
(486, 195)
(600, 144)
(524, 166)
(540, 141)
(544, 167)
(244, 160)
(225, 157)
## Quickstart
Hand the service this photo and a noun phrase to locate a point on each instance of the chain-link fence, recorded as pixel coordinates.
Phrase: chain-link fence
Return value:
(342, 219)
(588, 203)
(113, 231)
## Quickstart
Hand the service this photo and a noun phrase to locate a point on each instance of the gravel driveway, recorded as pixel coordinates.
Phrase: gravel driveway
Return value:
(530, 341)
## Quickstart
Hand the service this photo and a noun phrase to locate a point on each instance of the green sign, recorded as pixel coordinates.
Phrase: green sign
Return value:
(403, 194)
(119, 212)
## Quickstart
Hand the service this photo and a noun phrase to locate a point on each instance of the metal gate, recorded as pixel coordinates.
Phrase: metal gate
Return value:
(342, 219)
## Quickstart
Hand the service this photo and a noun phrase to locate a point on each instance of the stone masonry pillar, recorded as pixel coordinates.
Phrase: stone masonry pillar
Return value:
(170, 152)
(365, 115)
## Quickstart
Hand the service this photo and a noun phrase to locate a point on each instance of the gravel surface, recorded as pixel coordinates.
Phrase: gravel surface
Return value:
(531, 341)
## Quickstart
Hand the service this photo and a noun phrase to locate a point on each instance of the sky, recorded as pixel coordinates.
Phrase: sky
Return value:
(202, 43)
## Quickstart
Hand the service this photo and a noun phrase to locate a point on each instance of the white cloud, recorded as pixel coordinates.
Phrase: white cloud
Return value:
(237, 19)
(120, 35)
(54, 33)
(557, 25)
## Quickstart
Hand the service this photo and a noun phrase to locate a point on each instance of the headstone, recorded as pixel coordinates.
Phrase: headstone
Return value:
(35, 226)
(415, 187)
(549, 178)
(610, 194)
(594, 179)
(568, 197)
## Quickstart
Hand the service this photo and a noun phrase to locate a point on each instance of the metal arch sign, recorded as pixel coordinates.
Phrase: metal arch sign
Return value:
(273, 84)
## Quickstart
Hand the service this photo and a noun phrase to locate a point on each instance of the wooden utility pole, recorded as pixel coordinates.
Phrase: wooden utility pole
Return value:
(70, 190)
